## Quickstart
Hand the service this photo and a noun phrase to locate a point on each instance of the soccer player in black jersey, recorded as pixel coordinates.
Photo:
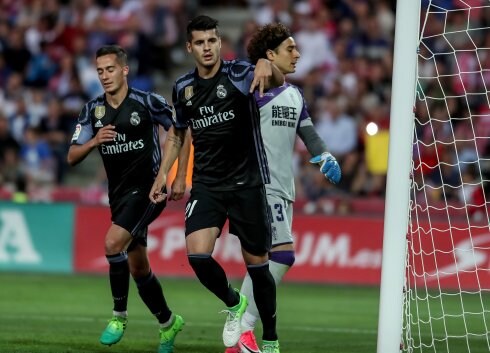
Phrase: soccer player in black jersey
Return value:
(230, 170)
(123, 124)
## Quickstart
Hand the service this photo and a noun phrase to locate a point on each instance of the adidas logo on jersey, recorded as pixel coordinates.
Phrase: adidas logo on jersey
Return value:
(189, 103)
(98, 124)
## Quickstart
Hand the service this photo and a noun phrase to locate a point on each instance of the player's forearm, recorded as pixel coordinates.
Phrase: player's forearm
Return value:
(267, 73)
(171, 148)
(183, 160)
(313, 142)
(77, 153)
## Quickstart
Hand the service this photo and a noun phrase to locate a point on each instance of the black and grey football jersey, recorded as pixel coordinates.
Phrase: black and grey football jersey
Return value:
(132, 160)
(225, 124)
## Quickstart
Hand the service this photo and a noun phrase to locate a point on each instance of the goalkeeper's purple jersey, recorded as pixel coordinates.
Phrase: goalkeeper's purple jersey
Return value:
(132, 160)
(225, 124)
(282, 112)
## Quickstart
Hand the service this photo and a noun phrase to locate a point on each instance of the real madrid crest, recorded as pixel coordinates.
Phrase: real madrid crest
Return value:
(221, 91)
(99, 111)
(188, 92)
(135, 119)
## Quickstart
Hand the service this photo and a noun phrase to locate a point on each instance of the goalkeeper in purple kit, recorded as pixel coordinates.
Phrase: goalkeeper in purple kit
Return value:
(283, 115)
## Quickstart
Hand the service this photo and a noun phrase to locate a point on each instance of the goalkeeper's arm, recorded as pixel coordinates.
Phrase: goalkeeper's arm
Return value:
(313, 142)
(317, 148)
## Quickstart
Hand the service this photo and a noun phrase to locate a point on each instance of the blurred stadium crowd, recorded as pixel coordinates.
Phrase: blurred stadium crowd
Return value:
(47, 74)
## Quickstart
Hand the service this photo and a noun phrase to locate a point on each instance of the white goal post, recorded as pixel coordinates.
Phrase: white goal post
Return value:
(435, 278)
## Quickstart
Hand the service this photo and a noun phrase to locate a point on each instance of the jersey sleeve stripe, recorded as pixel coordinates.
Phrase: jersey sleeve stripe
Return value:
(157, 153)
(259, 144)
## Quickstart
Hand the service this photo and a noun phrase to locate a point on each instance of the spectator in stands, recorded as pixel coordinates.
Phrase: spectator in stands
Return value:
(83, 14)
(158, 35)
(60, 80)
(372, 43)
(4, 70)
(37, 160)
(20, 119)
(7, 141)
(371, 176)
(119, 22)
(316, 52)
(248, 29)
(318, 194)
(84, 66)
(227, 50)
(273, 11)
(11, 93)
(37, 107)
(55, 129)
(16, 54)
(11, 170)
(73, 100)
(336, 126)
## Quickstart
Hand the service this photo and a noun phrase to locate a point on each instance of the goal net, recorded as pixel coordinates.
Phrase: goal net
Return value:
(447, 287)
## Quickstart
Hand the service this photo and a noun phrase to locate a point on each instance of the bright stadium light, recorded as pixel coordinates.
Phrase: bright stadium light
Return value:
(372, 129)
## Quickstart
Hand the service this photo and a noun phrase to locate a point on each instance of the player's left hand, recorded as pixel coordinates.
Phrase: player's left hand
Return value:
(328, 166)
(262, 74)
(156, 193)
(177, 190)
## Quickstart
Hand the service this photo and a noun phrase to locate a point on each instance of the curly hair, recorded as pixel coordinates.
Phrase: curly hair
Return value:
(267, 37)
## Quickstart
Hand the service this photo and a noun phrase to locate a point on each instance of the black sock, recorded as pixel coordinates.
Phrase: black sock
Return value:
(213, 277)
(150, 290)
(119, 280)
(264, 289)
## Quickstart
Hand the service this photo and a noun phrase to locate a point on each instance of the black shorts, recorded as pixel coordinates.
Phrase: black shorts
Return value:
(246, 210)
(134, 212)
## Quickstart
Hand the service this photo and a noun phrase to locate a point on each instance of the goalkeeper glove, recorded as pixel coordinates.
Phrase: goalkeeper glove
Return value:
(328, 166)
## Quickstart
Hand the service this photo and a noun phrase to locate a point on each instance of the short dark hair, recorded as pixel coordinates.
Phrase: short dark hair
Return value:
(121, 56)
(267, 37)
(201, 23)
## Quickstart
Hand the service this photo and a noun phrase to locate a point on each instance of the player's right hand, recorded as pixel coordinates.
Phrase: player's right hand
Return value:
(156, 193)
(105, 134)
(262, 75)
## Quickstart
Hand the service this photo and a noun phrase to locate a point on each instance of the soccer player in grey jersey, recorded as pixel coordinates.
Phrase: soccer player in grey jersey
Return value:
(123, 124)
(283, 115)
(230, 170)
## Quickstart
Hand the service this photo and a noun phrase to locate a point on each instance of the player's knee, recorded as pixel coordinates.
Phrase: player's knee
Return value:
(139, 270)
(113, 246)
(143, 278)
(285, 257)
(199, 261)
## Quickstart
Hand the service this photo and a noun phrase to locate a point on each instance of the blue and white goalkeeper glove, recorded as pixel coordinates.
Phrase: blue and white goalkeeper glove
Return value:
(328, 166)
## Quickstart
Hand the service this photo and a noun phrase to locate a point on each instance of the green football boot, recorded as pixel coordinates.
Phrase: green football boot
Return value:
(114, 330)
(270, 347)
(168, 334)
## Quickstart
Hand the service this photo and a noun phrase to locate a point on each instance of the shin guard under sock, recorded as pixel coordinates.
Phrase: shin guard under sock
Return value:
(264, 289)
(150, 290)
(213, 277)
(278, 270)
(119, 280)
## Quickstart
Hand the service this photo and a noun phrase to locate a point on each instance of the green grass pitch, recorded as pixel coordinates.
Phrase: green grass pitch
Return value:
(66, 314)
(62, 313)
